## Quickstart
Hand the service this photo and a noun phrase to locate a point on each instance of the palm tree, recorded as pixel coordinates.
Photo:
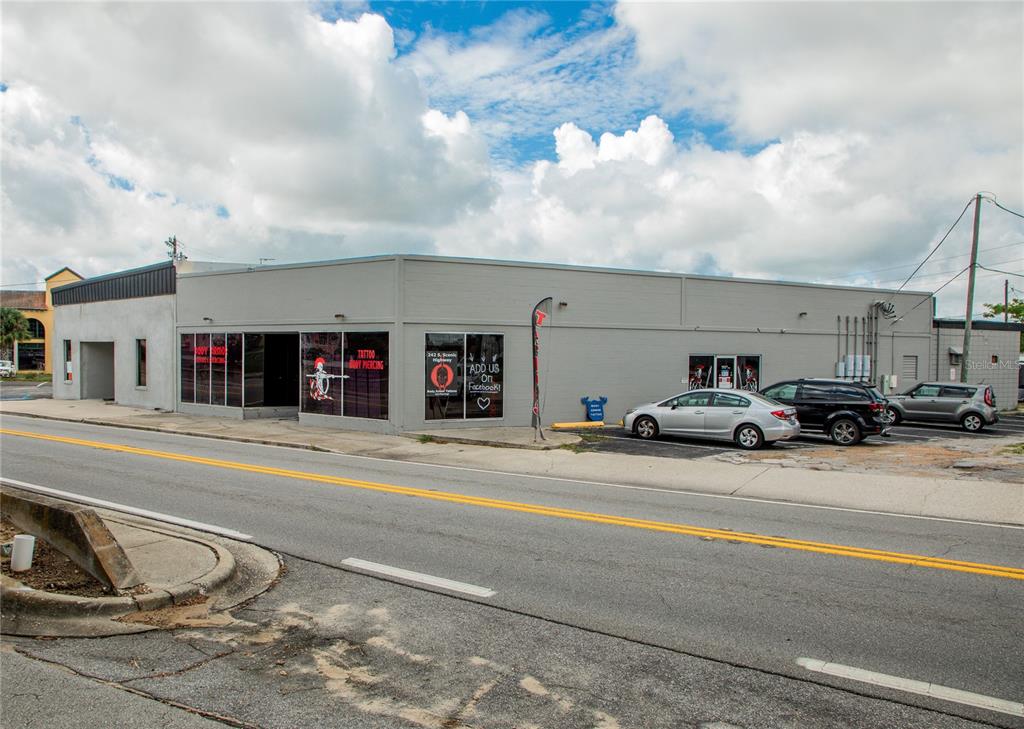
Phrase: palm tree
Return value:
(13, 328)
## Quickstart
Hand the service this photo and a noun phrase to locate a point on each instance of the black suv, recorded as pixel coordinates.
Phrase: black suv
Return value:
(847, 411)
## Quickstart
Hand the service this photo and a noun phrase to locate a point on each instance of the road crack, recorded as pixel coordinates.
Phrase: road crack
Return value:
(211, 715)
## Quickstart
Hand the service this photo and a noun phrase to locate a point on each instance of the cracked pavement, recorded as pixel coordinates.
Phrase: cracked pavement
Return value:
(327, 647)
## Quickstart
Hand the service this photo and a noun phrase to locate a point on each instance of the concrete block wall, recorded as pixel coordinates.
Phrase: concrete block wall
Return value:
(120, 322)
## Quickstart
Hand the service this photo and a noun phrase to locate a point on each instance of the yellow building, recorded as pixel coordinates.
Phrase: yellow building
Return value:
(37, 306)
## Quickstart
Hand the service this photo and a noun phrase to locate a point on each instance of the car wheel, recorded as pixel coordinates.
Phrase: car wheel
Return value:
(891, 416)
(749, 437)
(972, 422)
(646, 428)
(844, 432)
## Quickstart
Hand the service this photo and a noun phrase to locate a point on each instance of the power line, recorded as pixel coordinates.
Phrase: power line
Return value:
(932, 295)
(935, 260)
(1011, 212)
(996, 270)
(943, 273)
(27, 283)
(955, 222)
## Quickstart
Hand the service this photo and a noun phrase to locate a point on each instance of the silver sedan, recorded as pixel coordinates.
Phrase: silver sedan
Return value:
(748, 419)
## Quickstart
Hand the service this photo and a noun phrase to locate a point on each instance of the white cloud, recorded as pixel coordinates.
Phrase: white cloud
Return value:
(861, 130)
(286, 122)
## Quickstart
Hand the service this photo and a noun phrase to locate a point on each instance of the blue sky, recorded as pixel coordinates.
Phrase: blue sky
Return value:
(557, 25)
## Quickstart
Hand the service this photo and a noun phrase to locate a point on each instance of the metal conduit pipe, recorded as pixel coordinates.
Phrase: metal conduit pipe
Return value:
(839, 339)
(864, 346)
(852, 374)
(846, 348)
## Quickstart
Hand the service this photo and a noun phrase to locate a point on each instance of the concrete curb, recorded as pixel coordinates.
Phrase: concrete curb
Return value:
(28, 602)
(442, 439)
(193, 433)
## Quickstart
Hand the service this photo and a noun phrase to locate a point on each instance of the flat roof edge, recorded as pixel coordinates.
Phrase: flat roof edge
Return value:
(542, 265)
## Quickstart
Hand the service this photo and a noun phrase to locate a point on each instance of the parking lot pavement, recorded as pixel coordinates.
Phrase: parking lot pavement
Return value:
(615, 439)
(24, 390)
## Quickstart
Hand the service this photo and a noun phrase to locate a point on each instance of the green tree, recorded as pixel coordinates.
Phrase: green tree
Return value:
(13, 328)
(1014, 310)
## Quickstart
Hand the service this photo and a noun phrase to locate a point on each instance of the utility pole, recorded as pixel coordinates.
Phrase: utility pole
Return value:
(970, 290)
(172, 249)
(1006, 300)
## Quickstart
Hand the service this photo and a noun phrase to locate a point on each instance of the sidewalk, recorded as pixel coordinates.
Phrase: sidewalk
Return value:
(989, 501)
(178, 566)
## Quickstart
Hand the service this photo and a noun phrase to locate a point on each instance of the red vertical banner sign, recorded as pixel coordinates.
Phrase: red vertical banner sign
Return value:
(540, 313)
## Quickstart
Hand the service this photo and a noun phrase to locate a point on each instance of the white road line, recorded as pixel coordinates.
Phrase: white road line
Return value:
(197, 525)
(608, 484)
(1013, 708)
(443, 583)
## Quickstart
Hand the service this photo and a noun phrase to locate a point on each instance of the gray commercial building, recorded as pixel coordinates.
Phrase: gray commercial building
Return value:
(407, 342)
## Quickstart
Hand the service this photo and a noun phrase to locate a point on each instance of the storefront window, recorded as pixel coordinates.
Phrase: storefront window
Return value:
(203, 369)
(234, 371)
(748, 372)
(701, 371)
(31, 356)
(188, 368)
(255, 349)
(366, 375)
(464, 376)
(484, 375)
(444, 355)
(218, 367)
(321, 373)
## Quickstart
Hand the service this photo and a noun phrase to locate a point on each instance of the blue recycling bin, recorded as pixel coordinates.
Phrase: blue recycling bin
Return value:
(595, 408)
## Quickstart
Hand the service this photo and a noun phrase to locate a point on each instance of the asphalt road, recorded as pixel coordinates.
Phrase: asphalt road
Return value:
(615, 439)
(615, 569)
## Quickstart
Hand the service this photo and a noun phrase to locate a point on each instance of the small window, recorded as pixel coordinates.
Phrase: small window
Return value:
(36, 329)
(958, 392)
(783, 393)
(727, 400)
(927, 391)
(67, 360)
(140, 362)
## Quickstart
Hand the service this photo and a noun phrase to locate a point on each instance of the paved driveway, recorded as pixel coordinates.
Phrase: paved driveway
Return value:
(615, 439)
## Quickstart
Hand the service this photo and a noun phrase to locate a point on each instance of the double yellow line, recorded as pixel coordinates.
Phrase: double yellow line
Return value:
(800, 545)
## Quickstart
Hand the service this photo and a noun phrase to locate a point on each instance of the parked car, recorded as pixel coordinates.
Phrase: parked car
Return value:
(746, 418)
(972, 406)
(846, 411)
(7, 368)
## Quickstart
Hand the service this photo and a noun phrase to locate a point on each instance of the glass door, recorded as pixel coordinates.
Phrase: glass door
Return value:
(725, 371)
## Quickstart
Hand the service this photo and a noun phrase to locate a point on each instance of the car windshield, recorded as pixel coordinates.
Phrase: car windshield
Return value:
(758, 397)
(876, 394)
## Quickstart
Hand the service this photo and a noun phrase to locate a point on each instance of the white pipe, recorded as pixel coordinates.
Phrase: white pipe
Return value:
(21, 555)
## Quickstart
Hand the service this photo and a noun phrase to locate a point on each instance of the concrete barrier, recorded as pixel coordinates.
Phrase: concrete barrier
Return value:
(74, 530)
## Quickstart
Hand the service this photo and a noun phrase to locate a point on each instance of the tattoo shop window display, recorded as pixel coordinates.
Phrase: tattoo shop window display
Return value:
(345, 374)
(321, 369)
(464, 376)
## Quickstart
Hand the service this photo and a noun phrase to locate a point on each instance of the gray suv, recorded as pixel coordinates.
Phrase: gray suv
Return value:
(972, 406)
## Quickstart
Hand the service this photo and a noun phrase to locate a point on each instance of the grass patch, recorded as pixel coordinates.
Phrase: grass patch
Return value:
(424, 438)
(592, 437)
(29, 377)
(1017, 449)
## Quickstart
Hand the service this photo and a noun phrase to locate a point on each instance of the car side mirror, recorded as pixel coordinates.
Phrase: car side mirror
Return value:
(674, 406)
